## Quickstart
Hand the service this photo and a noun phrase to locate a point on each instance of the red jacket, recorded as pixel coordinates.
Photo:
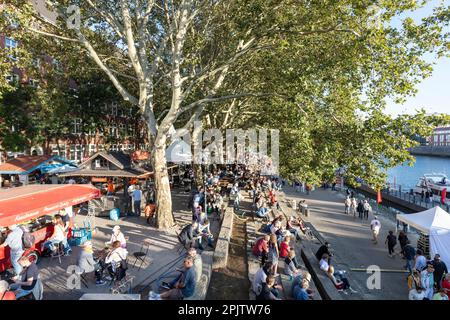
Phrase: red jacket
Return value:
(260, 246)
(284, 249)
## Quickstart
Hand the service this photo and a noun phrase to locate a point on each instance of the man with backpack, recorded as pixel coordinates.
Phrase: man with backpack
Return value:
(14, 242)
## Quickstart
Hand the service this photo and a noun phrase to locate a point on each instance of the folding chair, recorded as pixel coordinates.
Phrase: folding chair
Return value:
(140, 255)
(59, 251)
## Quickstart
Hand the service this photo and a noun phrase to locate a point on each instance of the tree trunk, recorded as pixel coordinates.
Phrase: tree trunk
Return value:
(198, 175)
(164, 213)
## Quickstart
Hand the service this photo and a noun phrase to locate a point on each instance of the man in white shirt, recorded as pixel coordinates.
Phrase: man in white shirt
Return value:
(261, 277)
(427, 279)
(137, 197)
(375, 225)
(130, 191)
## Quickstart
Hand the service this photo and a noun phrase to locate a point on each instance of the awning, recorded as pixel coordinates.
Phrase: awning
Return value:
(21, 204)
(27, 164)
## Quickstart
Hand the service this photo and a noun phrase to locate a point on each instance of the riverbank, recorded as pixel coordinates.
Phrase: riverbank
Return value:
(432, 151)
(350, 240)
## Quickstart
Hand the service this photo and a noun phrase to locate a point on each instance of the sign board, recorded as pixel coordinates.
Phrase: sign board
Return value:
(94, 179)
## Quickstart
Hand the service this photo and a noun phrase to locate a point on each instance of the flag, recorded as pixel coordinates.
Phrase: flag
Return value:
(443, 195)
(379, 196)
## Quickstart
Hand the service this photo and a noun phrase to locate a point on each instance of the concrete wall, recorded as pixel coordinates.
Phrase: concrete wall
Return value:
(220, 257)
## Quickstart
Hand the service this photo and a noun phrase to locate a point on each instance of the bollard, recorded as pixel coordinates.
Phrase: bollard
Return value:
(306, 212)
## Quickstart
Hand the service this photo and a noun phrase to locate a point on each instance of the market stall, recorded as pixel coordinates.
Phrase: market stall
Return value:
(24, 170)
(33, 207)
(434, 224)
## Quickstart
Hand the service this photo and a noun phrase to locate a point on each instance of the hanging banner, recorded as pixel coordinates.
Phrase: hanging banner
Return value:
(379, 197)
(443, 195)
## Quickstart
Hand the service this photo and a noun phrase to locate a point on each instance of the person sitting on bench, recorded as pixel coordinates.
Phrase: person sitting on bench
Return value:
(182, 286)
(291, 265)
(339, 280)
(325, 248)
(26, 281)
(261, 248)
(188, 236)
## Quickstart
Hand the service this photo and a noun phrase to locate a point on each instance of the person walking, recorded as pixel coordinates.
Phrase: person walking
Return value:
(403, 240)
(440, 269)
(360, 209)
(347, 204)
(137, 198)
(367, 209)
(391, 242)
(353, 207)
(409, 253)
(375, 226)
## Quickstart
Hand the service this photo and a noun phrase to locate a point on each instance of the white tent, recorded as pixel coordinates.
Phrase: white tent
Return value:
(435, 223)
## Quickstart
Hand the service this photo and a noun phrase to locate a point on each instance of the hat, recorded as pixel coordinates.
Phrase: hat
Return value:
(116, 228)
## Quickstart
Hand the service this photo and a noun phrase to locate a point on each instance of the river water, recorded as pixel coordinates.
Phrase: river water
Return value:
(407, 176)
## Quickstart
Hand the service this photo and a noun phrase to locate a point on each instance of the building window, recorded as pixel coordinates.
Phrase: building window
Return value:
(76, 126)
(122, 130)
(61, 152)
(33, 83)
(36, 63)
(114, 109)
(12, 78)
(11, 45)
(113, 147)
(57, 65)
(100, 148)
(113, 131)
(101, 163)
(92, 149)
(76, 152)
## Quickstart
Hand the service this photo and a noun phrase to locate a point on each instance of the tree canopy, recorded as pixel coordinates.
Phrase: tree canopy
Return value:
(320, 71)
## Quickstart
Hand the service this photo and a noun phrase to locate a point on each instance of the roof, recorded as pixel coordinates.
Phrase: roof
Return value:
(28, 164)
(426, 221)
(126, 173)
(119, 159)
(18, 205)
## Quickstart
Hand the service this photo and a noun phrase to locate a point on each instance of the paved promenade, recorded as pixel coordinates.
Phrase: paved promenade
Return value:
(352, 245)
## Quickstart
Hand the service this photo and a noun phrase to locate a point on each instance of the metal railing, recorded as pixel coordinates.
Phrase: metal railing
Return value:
(416, 199)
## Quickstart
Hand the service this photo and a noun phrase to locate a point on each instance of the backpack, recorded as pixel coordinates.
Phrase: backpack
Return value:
(27, 239)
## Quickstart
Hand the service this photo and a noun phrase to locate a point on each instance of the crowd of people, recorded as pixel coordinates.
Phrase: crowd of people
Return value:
(353, 207)
(276, 244)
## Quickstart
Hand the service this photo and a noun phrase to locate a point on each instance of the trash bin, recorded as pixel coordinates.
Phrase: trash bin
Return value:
(303, 208)
(306, 212)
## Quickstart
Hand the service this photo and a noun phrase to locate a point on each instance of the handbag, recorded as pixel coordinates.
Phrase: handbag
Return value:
(123, 263)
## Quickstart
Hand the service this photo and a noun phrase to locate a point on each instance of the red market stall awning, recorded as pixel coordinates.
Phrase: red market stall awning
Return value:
(21, 204)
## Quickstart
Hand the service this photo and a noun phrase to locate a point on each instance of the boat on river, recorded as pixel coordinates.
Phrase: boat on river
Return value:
(434, 182)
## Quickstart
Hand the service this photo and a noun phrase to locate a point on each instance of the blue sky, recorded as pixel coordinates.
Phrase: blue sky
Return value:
(434, 92)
